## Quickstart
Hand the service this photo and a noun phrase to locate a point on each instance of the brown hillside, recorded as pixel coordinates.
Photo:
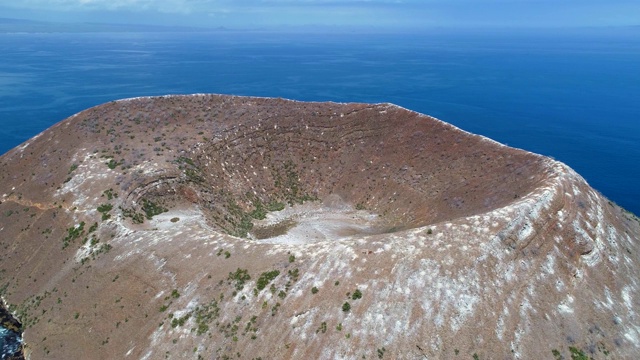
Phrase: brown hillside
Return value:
(230, 227)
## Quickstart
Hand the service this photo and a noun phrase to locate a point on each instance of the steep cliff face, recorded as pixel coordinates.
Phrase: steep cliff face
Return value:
(218, 227)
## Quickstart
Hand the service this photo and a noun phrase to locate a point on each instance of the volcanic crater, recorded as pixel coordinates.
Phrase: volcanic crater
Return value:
(224, 226)
(365, 170)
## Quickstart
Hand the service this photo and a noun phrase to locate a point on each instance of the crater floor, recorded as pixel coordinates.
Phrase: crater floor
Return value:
(329, 220)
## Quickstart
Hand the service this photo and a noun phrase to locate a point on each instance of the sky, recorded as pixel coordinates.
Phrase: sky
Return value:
(357, 13)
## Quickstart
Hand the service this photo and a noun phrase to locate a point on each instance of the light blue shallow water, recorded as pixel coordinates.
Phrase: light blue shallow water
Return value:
(573, 96)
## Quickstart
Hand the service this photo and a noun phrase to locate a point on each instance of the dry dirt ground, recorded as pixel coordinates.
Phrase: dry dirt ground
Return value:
(218, 227)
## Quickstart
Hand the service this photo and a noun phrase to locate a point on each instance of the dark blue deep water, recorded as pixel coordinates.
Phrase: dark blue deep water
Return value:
(574, 95)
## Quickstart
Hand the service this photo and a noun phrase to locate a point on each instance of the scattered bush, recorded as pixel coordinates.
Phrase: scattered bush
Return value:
(112, 164)
(240, 276)
(322, 328)
(152, 209)
(110, 194)
(294, 274)
(180, 321)
(265, 278)
(104, 210)
(577, 354)
(136, 218)
(275, 206)
(93, 228)
(73, 233)
(346, 307)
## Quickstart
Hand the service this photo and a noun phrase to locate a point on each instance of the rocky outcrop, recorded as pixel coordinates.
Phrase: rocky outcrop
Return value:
(219, 226)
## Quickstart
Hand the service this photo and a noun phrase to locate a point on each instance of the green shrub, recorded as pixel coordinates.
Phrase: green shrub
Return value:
(204, 315)
(104, 210)
(112, 164)
(275, 206)
(577, 354)
(346, 307)
(152, 209)
(322, 328)
(260, 212)
(180, 321)
(136, 218)
(293, 274)
(110, 194)
(240, 276)
(93, 228)
(265, 278)
(73, 233)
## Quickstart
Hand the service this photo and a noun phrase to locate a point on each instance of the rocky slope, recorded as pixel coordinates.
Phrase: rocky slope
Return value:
(211, 226)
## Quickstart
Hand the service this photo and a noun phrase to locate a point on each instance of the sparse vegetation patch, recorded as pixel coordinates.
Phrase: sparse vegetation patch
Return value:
(152, 209)
(73, 233)
(136, 218)
(240, 276)
(112, 164)
(265, 278)
(104, 209)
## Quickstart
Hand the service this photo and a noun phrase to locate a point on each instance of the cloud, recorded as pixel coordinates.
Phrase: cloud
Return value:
(347, 12)
(196, 5)
(178, 6)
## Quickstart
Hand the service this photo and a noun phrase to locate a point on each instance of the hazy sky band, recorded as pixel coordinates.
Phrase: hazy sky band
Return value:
(370, 13)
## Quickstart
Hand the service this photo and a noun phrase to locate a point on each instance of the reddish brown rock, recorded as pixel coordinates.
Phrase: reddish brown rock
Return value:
(221, 226)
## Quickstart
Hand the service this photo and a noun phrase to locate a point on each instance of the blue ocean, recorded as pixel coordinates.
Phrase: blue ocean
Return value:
(572, 95)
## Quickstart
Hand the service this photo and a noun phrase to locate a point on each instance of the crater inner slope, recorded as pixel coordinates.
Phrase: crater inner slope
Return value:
(240, 158)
